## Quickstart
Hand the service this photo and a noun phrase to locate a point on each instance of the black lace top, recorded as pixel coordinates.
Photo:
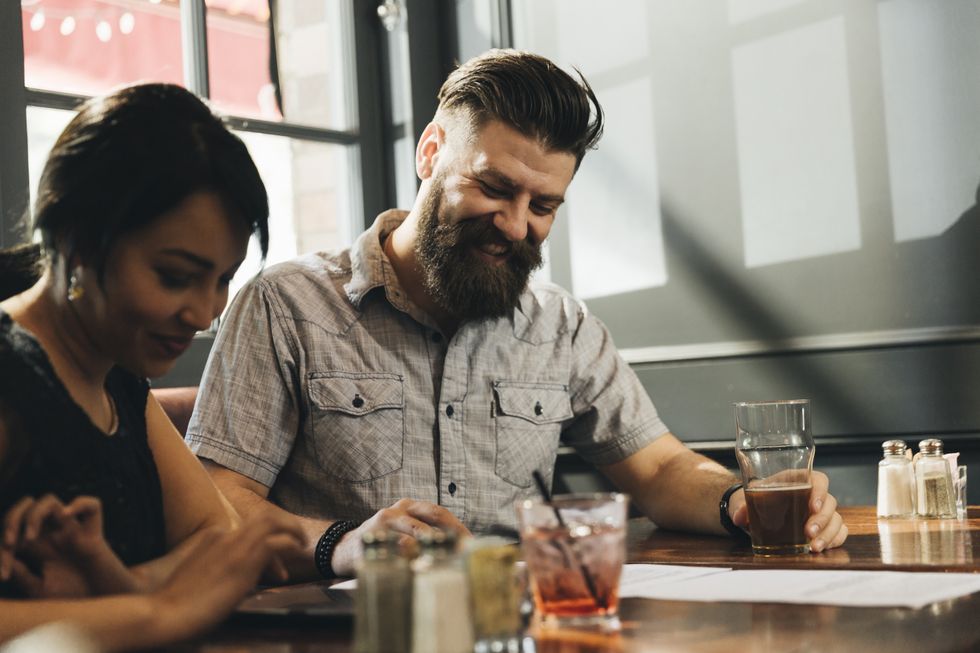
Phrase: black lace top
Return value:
(52, 446)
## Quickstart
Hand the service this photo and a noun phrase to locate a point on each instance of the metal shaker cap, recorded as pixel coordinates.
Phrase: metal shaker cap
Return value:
(931, 446)
(894, 447)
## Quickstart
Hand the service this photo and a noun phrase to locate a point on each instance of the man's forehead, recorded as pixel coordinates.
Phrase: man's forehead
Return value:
(499, 150)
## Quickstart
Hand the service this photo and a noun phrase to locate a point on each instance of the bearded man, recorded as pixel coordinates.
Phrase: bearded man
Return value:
(417, 380)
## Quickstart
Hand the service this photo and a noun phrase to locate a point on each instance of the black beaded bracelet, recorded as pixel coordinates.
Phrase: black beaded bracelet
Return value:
(328, 542)
(726, 520)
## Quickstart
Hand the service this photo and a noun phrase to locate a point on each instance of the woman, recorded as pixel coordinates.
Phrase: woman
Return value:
(144, 209)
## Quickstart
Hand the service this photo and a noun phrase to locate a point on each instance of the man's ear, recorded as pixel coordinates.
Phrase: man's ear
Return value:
(433, 139)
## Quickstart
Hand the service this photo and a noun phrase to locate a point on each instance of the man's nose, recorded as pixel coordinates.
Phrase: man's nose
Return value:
(511, 221)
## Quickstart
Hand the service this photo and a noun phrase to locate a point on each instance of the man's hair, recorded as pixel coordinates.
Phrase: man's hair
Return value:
(529, 93)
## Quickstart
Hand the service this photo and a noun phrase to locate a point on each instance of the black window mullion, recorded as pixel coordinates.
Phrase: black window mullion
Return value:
(194, 44)
(502, 26)
(292, 130)
(433, 51)
(14, 179)
(377, 185)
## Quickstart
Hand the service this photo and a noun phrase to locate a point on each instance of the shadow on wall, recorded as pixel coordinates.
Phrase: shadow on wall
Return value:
(750, 308)
(924, 283)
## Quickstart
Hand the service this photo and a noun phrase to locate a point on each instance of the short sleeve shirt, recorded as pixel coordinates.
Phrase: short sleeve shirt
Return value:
(327, 385)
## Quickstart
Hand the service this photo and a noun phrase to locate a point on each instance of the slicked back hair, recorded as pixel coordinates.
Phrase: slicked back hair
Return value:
(530, 94)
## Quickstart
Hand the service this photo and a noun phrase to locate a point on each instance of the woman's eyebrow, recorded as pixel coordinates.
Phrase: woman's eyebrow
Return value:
(191, 257)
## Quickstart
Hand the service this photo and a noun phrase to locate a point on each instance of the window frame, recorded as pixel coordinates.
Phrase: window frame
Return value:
(367, 136)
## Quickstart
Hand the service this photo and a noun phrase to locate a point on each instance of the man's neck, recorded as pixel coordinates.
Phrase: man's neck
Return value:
(399, 247)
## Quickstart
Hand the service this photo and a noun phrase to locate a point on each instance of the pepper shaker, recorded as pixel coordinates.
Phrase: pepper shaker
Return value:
(933, 482)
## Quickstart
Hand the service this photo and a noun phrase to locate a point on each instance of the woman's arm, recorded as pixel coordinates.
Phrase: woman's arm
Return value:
(191, 502)
(217, 573)
(116, 622)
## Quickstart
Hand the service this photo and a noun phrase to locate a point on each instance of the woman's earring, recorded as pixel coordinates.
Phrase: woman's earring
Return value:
(75, 290)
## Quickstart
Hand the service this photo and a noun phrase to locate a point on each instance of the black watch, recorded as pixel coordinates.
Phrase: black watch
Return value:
(328, 542)
(726, 520)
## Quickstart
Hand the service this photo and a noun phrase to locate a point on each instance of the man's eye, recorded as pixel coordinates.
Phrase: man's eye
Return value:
(542, 209)
(491, 191)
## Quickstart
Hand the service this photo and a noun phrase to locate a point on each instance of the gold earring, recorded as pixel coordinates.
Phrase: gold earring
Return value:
(75, 290)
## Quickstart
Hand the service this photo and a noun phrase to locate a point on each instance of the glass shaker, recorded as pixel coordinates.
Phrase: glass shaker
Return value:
(383, 599)
(933, 482)
(441, 619)
(896, 488)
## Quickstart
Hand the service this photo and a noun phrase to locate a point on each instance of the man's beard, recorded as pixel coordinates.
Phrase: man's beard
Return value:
(455, 278)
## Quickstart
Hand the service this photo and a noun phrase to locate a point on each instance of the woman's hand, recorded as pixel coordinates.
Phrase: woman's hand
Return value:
(49, 549)
(220, 570)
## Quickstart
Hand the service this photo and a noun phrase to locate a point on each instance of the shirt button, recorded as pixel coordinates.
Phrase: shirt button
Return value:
(538, 409)
(436, 336)
(450, 410)
(452, 488)
(358, 401)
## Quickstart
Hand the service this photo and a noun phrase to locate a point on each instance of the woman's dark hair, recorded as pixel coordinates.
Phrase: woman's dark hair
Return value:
(131, 156)
(20, 268)
(530, 94)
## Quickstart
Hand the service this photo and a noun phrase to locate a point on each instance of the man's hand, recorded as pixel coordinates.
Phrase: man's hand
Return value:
(825, 529)
(410, 519)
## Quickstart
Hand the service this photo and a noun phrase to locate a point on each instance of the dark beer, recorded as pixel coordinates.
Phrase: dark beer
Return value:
(776, 519)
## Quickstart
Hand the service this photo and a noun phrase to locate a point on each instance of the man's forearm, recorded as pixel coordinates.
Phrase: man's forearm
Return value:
(674, 486)
(686, 495)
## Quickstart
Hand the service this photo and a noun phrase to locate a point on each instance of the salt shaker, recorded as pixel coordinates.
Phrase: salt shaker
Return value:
(896, 489)
(933, 482)
(441, 620)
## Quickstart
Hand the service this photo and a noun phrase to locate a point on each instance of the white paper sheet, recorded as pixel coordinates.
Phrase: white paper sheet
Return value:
(813, 587)
(817, 587)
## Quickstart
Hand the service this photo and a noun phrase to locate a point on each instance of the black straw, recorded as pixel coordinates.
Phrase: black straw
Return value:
(546, 494)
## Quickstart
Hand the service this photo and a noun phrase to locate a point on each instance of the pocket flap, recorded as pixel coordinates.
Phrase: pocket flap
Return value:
(539, 403)
(356, 394)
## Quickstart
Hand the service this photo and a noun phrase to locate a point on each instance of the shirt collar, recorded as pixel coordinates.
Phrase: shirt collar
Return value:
(370, 267)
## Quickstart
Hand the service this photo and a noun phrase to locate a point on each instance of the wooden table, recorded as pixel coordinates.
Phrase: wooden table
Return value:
(662, 626)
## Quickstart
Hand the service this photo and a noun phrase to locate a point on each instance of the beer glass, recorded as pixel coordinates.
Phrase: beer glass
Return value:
(774, 449)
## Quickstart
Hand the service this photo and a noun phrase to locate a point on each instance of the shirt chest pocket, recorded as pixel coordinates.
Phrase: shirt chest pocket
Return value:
(358, 423)
(528, 418)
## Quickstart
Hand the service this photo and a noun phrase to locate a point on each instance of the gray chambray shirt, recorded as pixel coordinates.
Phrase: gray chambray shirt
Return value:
(329, 386)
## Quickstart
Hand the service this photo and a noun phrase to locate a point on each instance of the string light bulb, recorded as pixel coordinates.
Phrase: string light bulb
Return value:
(67, 26)
(37, 21)
(104, 31)
(126, 23)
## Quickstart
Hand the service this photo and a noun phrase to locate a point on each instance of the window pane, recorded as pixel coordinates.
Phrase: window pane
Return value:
(312, 52)
(87, 47)
(43, 128)
(311, 205)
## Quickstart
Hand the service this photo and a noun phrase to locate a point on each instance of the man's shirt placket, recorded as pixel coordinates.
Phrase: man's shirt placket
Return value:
(451, 422)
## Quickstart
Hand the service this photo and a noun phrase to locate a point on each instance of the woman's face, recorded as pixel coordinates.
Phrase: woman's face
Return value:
(163, 284)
